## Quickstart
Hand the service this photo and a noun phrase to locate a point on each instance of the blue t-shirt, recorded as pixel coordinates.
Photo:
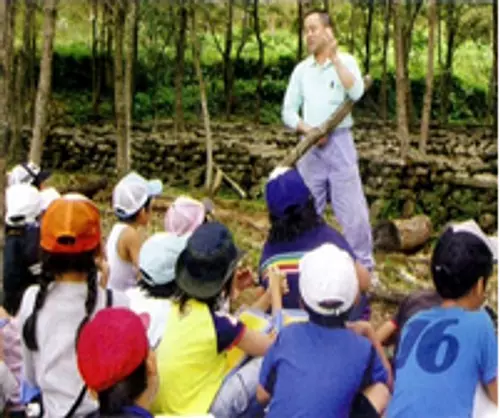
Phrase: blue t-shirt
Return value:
(287, 255)
(315, 371)
(443, 354)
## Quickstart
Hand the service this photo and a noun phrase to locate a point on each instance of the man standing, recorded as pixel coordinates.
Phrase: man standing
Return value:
(319, 84)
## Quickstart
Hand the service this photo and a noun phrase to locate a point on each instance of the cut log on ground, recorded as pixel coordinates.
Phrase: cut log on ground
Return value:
(88, 188)
(402, 234)
(326, 127)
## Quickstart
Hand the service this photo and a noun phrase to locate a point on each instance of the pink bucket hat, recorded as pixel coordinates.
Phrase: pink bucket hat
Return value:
(185, 215)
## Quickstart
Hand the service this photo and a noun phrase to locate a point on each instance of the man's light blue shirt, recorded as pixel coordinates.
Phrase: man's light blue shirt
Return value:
(317, 89)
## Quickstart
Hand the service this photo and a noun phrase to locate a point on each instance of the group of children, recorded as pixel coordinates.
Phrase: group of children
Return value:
(141, 326)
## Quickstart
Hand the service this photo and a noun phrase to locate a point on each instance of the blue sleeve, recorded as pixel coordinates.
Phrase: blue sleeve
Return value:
(267, 376)
(379, 372)
(228, 330)
(488, 358)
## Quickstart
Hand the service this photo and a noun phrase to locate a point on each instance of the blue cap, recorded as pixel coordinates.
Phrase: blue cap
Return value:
(158, 257)
(285, 190)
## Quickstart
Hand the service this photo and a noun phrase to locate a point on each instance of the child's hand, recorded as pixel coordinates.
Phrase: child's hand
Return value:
(277, 281)
(244, 278)
(363, 328)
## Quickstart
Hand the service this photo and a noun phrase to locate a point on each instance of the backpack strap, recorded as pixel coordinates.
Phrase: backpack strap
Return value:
(109, 298)
(77, 402)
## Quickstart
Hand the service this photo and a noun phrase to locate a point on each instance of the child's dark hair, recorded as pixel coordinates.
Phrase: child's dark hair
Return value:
(296, 221)
(132, 218)
(55, 264)
(459, 260)
(162, 291)
(213, 303)
(124, 393)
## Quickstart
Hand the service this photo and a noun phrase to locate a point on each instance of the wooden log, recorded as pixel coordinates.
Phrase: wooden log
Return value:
(319, 132)
(402, 234)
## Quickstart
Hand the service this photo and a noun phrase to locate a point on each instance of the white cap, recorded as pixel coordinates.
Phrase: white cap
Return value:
(328, 275)
(26, 173)
(473, 228)
(24, 204)
(48, 196)
(132, 192)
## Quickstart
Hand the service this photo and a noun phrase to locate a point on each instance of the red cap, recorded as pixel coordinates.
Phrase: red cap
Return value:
(71, 225)
(110, 347)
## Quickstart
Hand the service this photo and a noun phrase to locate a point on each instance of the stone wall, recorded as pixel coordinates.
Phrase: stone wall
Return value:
(457, 178)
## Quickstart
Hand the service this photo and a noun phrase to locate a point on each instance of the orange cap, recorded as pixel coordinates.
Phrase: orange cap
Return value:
(70, 225)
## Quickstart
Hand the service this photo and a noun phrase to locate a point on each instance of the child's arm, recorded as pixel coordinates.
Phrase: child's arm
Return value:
(492, 390)
(365, 329)
(263, 396)
(255, 343)
(385, 332)
(267, 376)
(363, 277)
(278, 286)
(129, 245)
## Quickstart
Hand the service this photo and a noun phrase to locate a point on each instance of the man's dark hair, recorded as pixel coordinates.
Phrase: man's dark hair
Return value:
(323, 16)
(132, 218)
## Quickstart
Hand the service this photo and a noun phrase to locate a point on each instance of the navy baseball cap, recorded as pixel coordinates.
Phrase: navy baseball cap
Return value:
(284, 189)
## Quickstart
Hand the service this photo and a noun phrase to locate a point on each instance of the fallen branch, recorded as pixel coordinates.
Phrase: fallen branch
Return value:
(231, 182)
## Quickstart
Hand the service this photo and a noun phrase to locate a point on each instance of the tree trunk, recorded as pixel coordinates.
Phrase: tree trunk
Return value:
(448, 68)
(493, 93)
(326, 6)
(228, 63)
(179, 70)
(401, 106)
(260, 76)
(32, 72)
(122, 148)
(132, 18)
(439, 36)
(429, 81)
(371, 7)
(300, 28)
(11, 56)
(5, 73)
(45, 81)
(95, 58)
(109, 22)
(383, 84)
(203, 99)
(20, 97)
(352, 27)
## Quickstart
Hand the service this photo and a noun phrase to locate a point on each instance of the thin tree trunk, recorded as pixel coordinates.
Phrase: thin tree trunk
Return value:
(45, 81)
(11, 56)
(402, 116)
(109, 70)
(32, 72)
(300, 28)
(383, 85)
(448, 68)
(326, 6)
(439, 37)
(5, 71)
(179, 70)
(260, 64)
(204, 104)
(228, 63)
(132, 17)
(122, 159)
(95, 58)
(426, 111)
(21, 98)
(493, 93)
(371, 7)
(352, 27)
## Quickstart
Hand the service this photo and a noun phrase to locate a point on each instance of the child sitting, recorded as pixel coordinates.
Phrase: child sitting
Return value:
(116, 363)
(53, 312)
(185, 215)
(318, 368)
(132, 198)
(192, 359)
(21, 260)
(157, 260)
(447, 350)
